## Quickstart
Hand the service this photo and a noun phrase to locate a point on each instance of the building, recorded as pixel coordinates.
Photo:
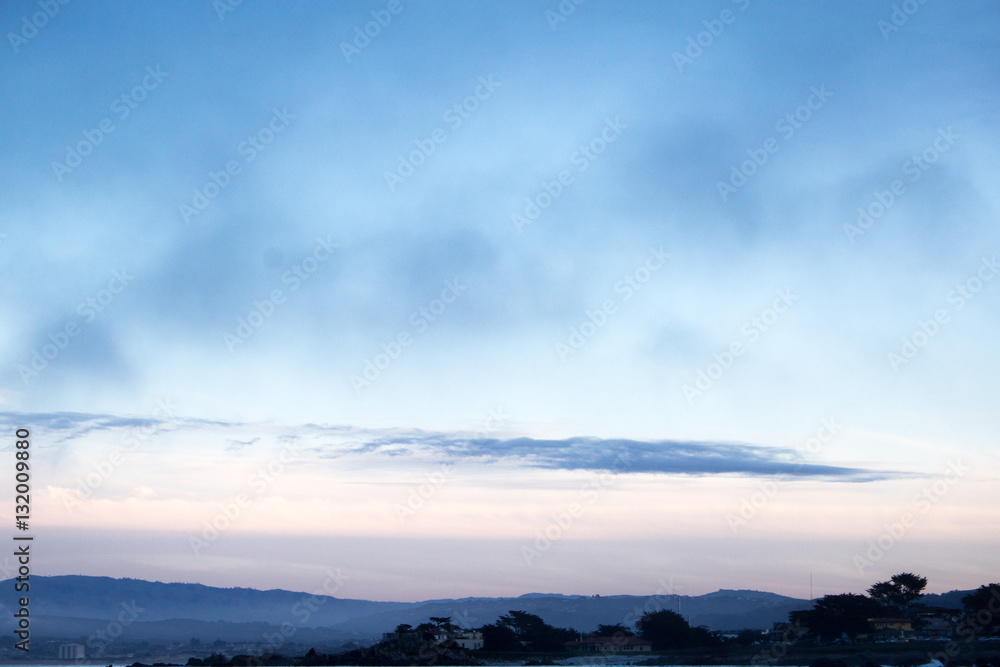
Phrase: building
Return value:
(470, 639)
(891, 629)
(938, 622)
(72, 652)
(610, 645)
(900, 624)
(467, 639)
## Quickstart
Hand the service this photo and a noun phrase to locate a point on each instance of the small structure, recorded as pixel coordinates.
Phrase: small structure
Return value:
(467, 639)
(470, 639)
(900, 624)
(889, 629)
(72, 652)
(610, 645)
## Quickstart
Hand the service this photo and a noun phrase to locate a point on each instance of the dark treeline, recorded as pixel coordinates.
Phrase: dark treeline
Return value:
(845, 618)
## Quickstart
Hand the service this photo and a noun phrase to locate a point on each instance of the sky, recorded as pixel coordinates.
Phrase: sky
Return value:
(469, 299)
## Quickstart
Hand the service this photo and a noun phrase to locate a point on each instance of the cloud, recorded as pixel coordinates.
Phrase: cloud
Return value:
(76, 425)
(620, 455)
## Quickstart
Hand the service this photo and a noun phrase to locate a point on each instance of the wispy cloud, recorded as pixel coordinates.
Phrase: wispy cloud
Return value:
(596, 454)
(578, 453)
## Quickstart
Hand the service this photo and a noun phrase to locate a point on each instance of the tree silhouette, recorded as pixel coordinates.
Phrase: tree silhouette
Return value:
(835, 615)
(667, 629)
(901, 591)
(519, 630)
(613, 630)
(982, 608)
(444, 623)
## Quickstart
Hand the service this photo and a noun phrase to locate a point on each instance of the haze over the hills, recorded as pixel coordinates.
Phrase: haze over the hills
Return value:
(74, 606)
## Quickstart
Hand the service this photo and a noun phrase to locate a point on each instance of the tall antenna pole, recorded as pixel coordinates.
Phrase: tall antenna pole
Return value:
(811, 598)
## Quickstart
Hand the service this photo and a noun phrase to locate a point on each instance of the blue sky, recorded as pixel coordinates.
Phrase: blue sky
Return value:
(688, 250)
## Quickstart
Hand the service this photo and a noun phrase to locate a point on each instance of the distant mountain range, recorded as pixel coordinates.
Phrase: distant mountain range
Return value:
(74, 607)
